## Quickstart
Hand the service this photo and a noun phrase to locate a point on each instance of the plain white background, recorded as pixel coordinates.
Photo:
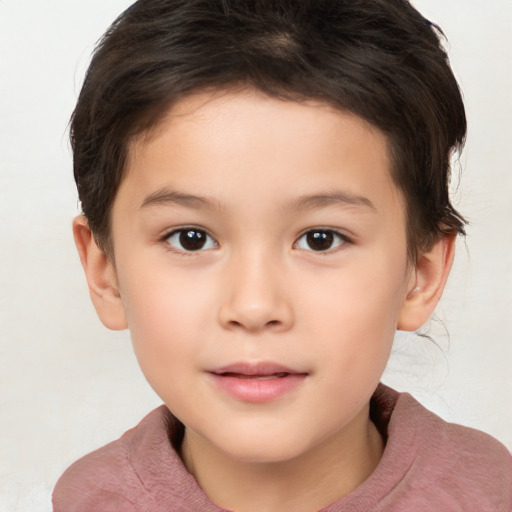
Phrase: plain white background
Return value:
(68, 385)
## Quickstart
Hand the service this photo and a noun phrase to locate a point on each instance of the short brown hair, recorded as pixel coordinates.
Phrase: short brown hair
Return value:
(379, 59)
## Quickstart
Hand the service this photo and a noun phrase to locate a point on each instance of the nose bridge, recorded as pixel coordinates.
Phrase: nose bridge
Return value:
(255, 296)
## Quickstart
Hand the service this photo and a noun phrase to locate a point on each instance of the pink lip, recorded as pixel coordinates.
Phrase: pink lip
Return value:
(256, 382)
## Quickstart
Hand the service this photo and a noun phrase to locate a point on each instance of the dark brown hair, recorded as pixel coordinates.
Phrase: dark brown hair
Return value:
(379, 59)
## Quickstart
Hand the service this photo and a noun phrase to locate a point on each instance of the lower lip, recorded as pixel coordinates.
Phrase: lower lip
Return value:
(258, 390)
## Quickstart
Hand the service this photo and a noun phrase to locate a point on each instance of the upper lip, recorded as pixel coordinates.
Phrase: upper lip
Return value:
(261, 368)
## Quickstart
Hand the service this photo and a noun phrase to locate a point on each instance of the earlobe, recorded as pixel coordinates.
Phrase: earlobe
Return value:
(101, 277)
(427, 284)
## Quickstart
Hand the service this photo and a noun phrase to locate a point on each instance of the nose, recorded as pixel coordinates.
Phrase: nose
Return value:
(255, 296)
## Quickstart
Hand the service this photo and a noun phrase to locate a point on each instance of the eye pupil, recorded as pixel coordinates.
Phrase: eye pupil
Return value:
(192, 239)
(320, 240)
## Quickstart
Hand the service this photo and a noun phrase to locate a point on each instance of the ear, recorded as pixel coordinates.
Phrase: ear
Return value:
(101, 277)
(427, 283)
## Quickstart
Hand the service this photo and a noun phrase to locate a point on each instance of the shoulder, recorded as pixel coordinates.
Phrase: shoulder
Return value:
(462, 464)
(109, 479)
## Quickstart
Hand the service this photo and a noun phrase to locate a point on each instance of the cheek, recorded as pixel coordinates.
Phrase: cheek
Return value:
(357, 313)
(166, 317)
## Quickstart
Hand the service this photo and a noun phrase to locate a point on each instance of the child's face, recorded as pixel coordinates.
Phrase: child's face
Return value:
(261, 260)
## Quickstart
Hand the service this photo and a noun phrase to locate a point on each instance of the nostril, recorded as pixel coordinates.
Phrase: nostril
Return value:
(252, 315)
(272, 324)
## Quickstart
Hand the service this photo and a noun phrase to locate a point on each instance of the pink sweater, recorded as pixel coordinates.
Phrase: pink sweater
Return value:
(428, 466)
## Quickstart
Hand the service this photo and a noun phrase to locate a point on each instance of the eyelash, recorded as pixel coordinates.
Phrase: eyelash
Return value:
(325, 235)
(180, 232)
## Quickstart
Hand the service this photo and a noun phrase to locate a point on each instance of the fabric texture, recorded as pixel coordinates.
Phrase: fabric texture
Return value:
(428, 465)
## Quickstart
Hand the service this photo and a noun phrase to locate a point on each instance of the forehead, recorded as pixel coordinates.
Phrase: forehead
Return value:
(232, 143)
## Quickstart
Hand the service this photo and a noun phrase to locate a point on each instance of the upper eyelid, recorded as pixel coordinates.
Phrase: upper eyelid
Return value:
(337, 231)
(171, 231)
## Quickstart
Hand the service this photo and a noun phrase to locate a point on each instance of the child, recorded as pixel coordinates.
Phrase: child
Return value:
(264, 186)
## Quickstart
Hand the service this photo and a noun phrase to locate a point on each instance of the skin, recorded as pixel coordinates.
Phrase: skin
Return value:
(268, 172)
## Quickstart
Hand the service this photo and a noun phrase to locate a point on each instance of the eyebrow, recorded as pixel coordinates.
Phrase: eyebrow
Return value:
(165, 197)
(333, 198)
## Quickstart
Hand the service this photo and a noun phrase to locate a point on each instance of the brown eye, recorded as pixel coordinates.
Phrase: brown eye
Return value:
(190, 240)
(320, 240)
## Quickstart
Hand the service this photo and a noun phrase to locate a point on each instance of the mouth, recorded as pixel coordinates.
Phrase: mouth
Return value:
(257, 382)
(279, 375)
(259, 370)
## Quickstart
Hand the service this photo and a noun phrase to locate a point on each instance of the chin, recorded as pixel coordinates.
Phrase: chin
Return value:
(268, 454)
(264, 447)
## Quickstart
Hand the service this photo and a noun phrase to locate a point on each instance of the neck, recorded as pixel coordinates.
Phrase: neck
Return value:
(307, 483)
